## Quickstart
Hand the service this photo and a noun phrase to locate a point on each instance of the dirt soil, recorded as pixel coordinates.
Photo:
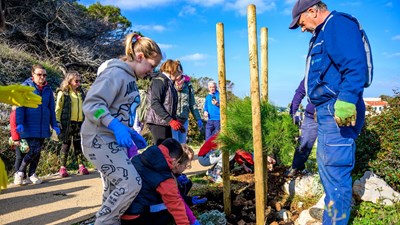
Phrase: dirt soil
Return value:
(243, 199)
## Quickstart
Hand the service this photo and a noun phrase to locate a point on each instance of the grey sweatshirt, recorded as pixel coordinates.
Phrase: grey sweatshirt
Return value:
(114, 94)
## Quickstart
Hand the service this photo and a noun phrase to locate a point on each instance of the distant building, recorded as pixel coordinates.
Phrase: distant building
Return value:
(376, 104)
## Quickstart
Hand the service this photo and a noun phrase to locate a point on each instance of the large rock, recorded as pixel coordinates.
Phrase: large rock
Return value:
(306, 186)
(372, 188)
(306, 219)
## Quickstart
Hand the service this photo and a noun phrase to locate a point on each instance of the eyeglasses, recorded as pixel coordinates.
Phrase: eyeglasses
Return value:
(78, 81)
(41, 74)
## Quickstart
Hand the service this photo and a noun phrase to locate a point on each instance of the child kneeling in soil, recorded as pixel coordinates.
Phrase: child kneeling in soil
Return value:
(185, 184)
(156, 166)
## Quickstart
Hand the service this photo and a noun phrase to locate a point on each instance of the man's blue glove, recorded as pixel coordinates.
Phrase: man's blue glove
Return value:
(20, 128)
(200, 124)
(140, 142)
(122, 133)
(57, 130)
(182, 179)
(197, 200)
(196, 222)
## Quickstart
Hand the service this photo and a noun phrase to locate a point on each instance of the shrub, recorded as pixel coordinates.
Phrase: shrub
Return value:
(278, 131)
(378, 147)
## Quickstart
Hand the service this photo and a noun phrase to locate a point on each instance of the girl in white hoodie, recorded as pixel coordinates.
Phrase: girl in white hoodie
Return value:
(110, 109)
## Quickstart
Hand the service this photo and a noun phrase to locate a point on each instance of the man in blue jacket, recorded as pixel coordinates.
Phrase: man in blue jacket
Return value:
(309, 129)
(335, 75)
(211, 110)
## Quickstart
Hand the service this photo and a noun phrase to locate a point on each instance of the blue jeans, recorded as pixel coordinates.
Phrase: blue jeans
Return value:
(336, 159)
(309, 131)
(179, 136)
(212, 127)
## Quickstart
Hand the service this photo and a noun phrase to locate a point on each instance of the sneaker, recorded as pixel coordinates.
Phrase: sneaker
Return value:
(291, 172)
(316, 213)
(35, 179)
(82, 170)
(18, 178)
(63, 172)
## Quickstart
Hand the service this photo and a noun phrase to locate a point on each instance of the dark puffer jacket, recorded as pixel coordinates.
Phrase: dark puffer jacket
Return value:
(37, 121)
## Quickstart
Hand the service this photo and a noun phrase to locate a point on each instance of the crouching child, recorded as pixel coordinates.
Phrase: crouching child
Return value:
(159, 200)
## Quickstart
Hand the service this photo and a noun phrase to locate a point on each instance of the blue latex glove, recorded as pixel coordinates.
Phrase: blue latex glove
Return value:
(200, 124)
(20, 128)
(57, 130)
(196, 222)
(182, 179)
(140, 142)
(197, 200)
(122, 133)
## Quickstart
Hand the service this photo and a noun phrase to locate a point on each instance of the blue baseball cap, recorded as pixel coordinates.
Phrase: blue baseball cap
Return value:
(298, 8)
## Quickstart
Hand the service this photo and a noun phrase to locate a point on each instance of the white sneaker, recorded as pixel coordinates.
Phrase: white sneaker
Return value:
(35, 179)
(18, 178)
(26, 181)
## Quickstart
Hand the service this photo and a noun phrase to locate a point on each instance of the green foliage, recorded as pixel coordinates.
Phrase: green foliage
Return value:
(378, 146)
(369, 213)
(278, 131)
(110, 14)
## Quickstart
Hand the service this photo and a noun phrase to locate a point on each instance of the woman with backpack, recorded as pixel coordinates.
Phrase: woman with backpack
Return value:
(186, 105)
(163, 100)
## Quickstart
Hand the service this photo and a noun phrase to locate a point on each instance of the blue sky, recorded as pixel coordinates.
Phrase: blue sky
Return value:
(186, 30)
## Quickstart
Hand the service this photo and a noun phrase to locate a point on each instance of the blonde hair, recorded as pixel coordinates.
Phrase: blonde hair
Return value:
(171, 66)
(65, 84)
(135, 43)
(188, 150)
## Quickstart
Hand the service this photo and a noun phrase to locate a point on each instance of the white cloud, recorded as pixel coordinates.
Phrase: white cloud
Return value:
(187, 11)
(141, 28)
(261, 5)
(352, 3)
(396, 38)
(391, 55)
(207, 3)
(194, 57)
(165, 46)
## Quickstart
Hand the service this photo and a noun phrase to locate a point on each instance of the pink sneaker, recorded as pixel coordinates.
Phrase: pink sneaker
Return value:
(82, 170)
(63, 172)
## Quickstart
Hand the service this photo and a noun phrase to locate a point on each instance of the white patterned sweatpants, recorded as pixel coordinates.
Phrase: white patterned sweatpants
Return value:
(121, 182)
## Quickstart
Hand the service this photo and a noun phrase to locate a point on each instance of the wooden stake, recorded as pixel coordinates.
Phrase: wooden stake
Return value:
(264, 94)
(256, 119)
(264, 63)
(222, 105)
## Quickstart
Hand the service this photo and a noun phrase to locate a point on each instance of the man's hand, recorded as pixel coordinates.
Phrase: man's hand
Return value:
(20, 96)
(205, 114)
(345, 113)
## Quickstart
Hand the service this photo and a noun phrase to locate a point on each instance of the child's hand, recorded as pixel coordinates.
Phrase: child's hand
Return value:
(196, 222)
(197, 200)
(182, 179)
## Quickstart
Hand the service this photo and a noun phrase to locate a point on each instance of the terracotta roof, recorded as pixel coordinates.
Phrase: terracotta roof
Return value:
(376, 103)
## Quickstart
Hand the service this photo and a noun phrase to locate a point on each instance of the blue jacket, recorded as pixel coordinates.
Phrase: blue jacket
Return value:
(37, 121)
(296, 101)
(213, 111)
(336, 61)
(153, 169)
